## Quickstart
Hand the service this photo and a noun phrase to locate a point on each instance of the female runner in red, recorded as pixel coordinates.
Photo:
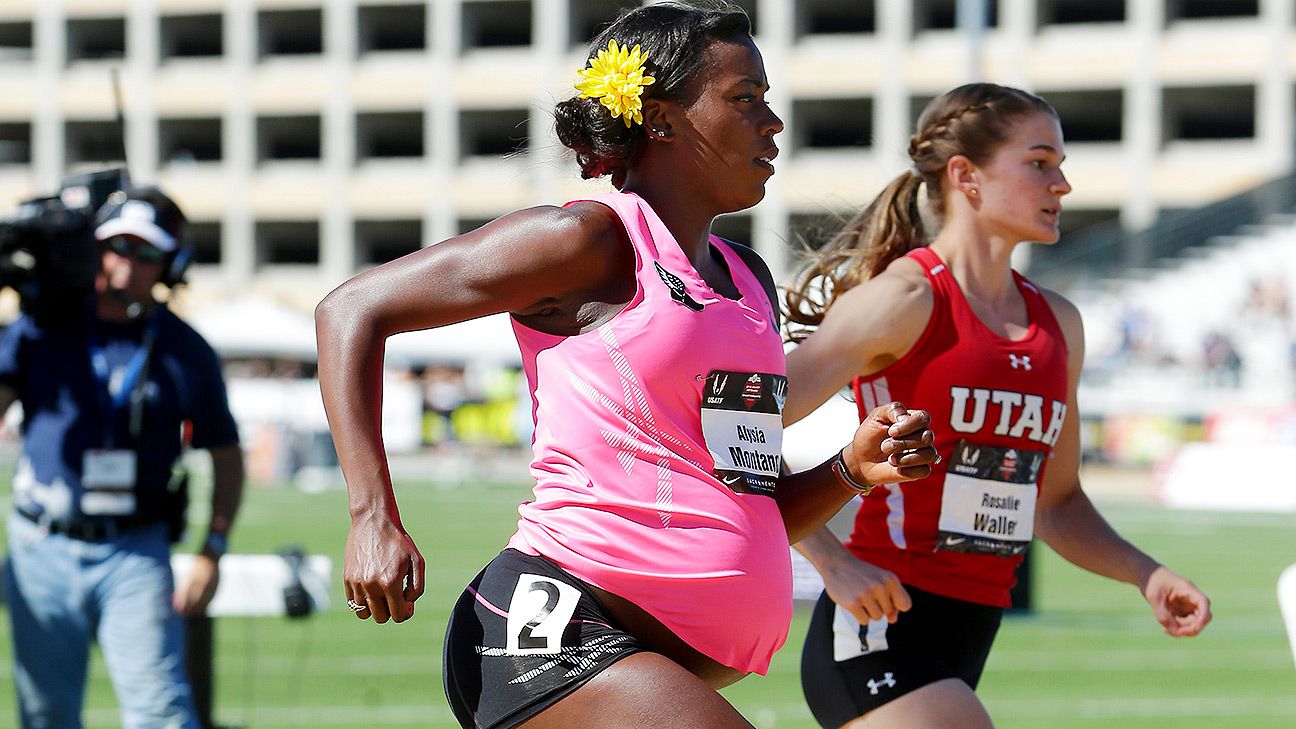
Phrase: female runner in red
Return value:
(915, 596)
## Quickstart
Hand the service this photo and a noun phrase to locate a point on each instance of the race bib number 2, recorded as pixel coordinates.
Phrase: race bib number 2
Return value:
(538, 615)
(742, 423)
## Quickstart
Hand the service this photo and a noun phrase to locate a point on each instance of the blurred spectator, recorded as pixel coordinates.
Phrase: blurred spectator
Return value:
(1139, 342)
(1263, 331)
(1220, 360)
(1267, 303)
(444, 390)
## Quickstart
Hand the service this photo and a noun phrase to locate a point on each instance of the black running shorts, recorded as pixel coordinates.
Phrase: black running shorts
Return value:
(523, 635)
(848, 669)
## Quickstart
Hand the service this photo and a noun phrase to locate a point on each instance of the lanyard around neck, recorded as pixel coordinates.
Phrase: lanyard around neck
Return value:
(123, 385)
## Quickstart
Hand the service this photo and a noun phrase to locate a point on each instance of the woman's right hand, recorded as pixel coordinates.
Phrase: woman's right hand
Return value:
(867, 591)
(891, 445)
(384, 571)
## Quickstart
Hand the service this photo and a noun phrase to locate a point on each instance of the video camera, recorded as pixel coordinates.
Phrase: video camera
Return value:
(48, 252)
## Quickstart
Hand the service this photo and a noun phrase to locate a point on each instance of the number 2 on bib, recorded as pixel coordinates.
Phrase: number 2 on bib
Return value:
(538, 614)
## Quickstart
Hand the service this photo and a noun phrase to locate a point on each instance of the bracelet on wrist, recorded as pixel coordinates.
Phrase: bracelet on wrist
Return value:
(844, 477)
(216, 545)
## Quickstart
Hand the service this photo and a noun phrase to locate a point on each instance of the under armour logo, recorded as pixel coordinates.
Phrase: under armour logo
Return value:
(1023, 361)
(888, 680)
(676, 286)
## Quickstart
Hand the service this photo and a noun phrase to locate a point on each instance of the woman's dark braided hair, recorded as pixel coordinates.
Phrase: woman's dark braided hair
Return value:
(673, 36)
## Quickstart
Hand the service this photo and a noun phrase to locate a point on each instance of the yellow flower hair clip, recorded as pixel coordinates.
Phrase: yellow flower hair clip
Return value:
(616, 78)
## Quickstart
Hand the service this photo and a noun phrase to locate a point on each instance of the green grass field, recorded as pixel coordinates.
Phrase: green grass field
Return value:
(1090, 655)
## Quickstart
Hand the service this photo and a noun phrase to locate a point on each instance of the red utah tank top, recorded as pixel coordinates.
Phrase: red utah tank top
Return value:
(997, 408)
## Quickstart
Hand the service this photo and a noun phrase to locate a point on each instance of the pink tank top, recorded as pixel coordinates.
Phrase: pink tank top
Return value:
(657, 444)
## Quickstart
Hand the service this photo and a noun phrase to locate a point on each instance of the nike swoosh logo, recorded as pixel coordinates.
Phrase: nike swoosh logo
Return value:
(730, 480)
(953, 541)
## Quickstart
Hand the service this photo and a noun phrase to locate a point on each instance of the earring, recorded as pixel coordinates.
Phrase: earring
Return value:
(972, 191)
(659, 132)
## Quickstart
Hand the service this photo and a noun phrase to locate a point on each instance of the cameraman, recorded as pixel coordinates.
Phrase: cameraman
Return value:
(110, 399)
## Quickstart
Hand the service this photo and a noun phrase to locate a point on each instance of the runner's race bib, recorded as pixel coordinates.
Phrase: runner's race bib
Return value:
(538, 615)
(108, 482)
(742, 423)
(988, 506)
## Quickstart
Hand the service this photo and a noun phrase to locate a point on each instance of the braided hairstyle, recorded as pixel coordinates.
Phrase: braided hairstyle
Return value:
(674, 37)
(972, 120)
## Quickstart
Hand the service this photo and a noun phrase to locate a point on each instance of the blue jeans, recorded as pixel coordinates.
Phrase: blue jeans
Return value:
(63, 593)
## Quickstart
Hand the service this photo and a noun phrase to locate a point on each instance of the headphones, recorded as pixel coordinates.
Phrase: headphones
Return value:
(177, 265)
(177, 261)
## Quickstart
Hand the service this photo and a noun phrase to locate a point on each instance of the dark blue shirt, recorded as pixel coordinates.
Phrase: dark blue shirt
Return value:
(67, 410)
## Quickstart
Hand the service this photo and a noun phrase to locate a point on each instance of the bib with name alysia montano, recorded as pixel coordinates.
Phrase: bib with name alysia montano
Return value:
(657, 446)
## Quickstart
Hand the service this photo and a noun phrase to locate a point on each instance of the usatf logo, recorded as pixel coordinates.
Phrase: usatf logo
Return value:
(1022, 361)
(718, 384)
(676, 286)
(888, 680)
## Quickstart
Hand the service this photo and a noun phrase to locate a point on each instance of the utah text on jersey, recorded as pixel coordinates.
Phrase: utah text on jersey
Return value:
(1020, 415)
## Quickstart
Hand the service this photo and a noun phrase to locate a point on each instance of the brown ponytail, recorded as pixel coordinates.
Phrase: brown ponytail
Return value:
(972, 120)
(888, 228)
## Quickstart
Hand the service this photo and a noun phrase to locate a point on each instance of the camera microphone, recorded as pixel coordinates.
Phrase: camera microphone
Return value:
(134, 307)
